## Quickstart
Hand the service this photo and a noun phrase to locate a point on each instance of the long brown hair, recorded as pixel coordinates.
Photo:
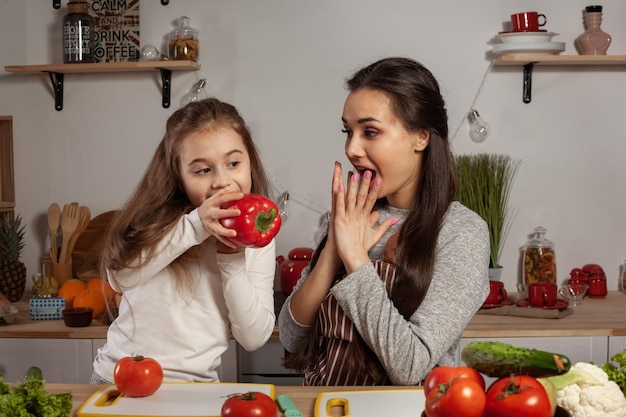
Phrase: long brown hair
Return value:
(160, 199)
(417, 102)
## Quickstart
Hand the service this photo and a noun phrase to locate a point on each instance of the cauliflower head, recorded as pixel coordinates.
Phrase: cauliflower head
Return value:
(591, 394)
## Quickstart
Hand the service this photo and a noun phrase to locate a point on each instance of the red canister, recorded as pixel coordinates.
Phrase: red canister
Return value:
(597, 284)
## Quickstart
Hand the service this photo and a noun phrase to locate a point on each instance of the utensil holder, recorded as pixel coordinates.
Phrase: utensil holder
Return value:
(62, 272)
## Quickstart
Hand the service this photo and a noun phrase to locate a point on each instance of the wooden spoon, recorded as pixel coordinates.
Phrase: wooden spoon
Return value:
(54, 217)
(84, 217)
(69, 224)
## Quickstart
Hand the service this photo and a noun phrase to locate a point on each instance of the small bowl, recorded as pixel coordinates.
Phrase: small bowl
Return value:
(77, 317)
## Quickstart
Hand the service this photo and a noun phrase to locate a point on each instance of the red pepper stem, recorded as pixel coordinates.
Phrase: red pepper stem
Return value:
(264, 220)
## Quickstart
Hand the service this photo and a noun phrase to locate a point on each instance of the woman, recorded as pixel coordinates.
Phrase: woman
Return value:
(403, 267)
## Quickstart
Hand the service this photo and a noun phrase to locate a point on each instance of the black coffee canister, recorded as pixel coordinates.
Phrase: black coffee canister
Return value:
(78, 33)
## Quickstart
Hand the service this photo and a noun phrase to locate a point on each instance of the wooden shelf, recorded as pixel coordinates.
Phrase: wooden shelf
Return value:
(105, 67)
(561, 59)
(529, 61)
(56, 72)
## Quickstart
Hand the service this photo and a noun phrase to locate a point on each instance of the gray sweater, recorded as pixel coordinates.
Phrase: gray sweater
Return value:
(409, 350)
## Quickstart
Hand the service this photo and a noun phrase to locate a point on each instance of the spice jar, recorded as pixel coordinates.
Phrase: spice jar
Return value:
(539, 263)
(183, 41)
(78, 33)
(597, 284)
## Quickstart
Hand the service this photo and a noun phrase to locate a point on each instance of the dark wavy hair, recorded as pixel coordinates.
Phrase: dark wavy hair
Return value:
(417, 102)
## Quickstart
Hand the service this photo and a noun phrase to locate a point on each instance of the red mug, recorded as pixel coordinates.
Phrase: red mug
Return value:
(497, 293)
(527, 21)
(542, 294)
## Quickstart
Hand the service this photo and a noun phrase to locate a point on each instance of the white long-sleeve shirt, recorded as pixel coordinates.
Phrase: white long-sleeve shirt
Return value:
(187, 331)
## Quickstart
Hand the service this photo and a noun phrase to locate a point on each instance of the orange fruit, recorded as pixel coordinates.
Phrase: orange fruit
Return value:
(102, 285)
(70, 289)
(93, 299)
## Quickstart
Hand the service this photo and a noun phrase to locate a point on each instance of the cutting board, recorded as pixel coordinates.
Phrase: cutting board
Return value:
(179, 399)
(388, 403)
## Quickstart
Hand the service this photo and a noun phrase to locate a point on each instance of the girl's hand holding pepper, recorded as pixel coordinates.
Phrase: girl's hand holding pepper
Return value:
(211, 212)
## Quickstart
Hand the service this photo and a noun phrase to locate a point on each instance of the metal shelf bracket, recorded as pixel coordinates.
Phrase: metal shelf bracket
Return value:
(165, 2)
(56, 79)
(166, 79)
(56, 4)
(527, 82)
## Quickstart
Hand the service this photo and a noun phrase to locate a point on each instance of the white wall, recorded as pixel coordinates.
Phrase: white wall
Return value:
(283, 62)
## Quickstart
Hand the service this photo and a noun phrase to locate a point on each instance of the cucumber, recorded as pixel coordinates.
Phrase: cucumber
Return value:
(497, 359)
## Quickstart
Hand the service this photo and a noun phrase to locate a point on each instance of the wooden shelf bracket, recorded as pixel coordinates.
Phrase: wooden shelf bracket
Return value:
(56, 78)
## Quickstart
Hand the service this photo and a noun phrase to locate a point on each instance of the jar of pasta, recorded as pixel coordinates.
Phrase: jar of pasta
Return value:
(539, 263)
(183, 41)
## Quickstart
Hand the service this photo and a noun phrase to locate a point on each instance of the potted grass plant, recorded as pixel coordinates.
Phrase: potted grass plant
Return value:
(484, 185)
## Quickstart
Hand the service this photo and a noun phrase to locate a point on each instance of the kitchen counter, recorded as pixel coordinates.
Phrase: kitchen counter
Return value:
(594, 317)
(303, 397)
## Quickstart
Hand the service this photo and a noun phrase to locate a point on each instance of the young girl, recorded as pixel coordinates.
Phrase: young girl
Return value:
(184, 284)
(403, 267)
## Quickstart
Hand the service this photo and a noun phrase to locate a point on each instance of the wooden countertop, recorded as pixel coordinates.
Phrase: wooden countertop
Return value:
(303, 397)
(594, 317)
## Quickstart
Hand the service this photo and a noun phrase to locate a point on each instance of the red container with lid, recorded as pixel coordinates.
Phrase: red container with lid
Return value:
(597, 284)
(291, 269)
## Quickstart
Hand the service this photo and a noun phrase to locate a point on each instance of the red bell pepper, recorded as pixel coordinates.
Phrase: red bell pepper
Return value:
(258, 222)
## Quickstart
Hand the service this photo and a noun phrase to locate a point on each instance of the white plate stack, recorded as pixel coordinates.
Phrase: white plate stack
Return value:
(527, 43)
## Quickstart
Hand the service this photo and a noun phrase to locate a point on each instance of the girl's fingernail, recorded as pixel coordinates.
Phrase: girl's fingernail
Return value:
(395, 221)
(368, 174)
(377, 182)
(341, 188)
(355, 177)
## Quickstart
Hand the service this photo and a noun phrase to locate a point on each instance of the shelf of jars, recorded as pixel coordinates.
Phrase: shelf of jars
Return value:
(528, 61)
(56, 73)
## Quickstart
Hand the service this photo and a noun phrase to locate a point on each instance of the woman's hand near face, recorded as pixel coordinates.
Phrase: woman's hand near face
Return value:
(353, 220)
(210, 212)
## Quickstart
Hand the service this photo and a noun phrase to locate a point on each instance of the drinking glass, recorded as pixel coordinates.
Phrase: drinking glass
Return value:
(574, 292)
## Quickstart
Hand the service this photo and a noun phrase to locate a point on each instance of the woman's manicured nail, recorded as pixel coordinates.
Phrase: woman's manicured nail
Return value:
(355, 177)
(368, 174)
(395, 221)
(377, 182)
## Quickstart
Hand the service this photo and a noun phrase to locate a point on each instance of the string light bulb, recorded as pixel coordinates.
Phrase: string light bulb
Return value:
(194, 94)
(479, 129)
(284, 206)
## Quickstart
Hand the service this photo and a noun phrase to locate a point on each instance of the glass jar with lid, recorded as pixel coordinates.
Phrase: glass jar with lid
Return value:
(183, 43)
(539, 263)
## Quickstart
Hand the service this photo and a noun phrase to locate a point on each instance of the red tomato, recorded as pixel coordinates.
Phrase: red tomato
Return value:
(258, 222)
(517, 395)
(445, 374)
(462, 397)
(250, 404)
(137, 376)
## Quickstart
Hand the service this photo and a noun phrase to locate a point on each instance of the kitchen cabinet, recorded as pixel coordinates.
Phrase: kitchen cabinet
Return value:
(595, 331)
(56, 73)
(529, 61)
(60, 360)
(264, 365)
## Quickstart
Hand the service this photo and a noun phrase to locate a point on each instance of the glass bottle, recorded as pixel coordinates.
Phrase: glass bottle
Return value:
(594, 41)
(623, 274)
(78, 33)
(183, 42)
(539, 263)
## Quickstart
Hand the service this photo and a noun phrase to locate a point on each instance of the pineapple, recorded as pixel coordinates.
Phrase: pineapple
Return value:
(12, 270)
